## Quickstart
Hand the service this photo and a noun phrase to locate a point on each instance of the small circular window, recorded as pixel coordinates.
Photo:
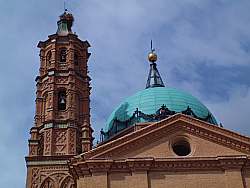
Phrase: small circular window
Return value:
(181, 148)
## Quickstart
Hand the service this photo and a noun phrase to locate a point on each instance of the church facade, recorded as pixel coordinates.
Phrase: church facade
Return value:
(160, 137)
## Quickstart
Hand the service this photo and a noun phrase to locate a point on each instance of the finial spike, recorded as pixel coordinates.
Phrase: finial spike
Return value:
(64, 6)
(151, 43)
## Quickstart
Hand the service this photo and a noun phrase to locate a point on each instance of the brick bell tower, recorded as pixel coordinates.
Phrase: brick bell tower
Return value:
(62, 119)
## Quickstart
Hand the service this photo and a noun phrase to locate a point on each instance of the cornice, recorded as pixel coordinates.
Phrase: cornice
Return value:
(218, 137)
(220, 163)
(54, 37)
(222, 130)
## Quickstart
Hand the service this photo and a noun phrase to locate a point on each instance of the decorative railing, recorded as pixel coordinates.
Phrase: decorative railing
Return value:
(138, 116)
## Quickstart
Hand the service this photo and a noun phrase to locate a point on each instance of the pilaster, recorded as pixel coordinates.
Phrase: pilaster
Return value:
(234, 178)
(139, 179)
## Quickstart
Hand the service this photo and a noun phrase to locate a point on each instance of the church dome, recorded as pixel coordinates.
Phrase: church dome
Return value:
(149, 101)
(154, 103)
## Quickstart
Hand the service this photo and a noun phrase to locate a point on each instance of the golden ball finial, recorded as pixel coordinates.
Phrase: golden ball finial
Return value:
(152, 57)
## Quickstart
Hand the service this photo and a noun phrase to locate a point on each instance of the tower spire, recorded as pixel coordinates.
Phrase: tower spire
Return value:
(154, 78)
(65, 23)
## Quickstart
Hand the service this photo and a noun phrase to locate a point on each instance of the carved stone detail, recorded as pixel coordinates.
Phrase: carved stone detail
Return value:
(49, 101)
(47, 141)
(62, 80)
(35, 177)
(72, 141)
(48, 183)
(68, 182)
(33, 150)
(45, 85)
(60, 141)
(41, 145)
(47, 178)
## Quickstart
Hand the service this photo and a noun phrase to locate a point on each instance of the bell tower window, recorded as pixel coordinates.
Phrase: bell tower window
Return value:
(62, 100)
(63, 55)
(76, 58)
(48, 58)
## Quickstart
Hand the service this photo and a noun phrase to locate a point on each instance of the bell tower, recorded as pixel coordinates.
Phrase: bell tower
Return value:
(62, 118)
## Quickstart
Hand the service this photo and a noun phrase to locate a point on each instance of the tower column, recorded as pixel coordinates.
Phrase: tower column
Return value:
(59, 131)
(86, 139)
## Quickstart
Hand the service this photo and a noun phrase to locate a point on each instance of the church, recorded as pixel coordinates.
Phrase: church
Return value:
(159, 137)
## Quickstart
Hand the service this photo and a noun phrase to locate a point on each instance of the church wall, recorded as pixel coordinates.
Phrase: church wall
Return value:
(234, 178)
(203, 147)
(215, 179)
(162, 179)
(148, 161)
(96, 180)
(131, 180)
(118, 180)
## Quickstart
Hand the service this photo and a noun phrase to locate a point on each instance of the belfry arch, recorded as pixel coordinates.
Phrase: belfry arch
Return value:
(48, 183)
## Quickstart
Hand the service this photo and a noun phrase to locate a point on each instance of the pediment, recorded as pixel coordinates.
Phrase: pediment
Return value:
(157, 140)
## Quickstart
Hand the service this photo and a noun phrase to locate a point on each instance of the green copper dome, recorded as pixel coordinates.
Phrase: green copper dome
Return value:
(149, 101)
(154, 103)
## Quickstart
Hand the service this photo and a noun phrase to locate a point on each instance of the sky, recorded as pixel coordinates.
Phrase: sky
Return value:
(203, 48)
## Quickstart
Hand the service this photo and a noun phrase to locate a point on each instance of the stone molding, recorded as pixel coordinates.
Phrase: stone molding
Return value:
(35, 163)
(222, 163)
(48, 159)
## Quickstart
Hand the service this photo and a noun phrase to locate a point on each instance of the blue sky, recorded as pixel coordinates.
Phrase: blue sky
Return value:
(203, 48)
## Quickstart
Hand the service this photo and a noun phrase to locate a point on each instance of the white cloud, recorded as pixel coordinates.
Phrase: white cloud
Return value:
(234, 113)
(186, 34)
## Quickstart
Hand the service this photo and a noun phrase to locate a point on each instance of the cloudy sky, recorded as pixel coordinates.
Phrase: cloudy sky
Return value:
(203, 48)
